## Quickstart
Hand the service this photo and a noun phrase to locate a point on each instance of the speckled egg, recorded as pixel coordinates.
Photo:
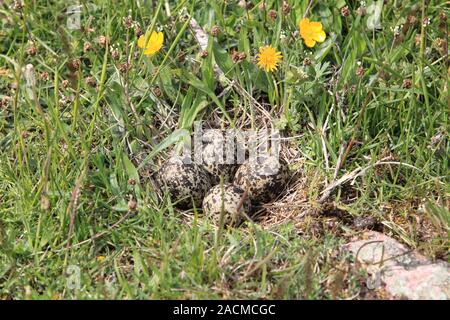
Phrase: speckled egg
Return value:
(229, 197)
(186, 182)
(214, 162)
(264, 177)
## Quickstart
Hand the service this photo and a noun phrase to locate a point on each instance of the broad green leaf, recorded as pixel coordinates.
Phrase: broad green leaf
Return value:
(325, 48)
(175, 137)
(191, 114)
(207, 67)
(131, 172)
(199, 85)
(222, 58)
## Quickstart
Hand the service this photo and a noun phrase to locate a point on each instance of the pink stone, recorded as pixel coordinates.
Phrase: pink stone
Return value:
(404, 272)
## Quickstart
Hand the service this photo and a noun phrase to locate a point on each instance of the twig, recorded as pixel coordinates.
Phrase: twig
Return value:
(308, 8)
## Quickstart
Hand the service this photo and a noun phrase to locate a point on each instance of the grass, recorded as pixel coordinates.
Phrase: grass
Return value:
(79, 145)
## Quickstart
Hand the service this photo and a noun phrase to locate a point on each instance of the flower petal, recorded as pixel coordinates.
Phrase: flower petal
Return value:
(316, 26)
(160, 38)
(320, 36)
(149, 52)
(153, 38)
(303, 23)
(141, 42)
(154, 42)
(310, 42)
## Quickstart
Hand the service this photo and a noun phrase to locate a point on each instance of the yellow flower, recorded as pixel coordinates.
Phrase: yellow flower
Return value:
(268, 58)
(100, 258)
(154, 42)
(311, 32)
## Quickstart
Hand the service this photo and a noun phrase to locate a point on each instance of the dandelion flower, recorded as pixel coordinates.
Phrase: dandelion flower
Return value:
(154, 42)
(268, 58)
(311, 32)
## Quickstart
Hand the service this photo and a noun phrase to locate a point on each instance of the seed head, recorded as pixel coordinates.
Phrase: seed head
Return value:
(286, 8)
(215, 31)
(138, 31)
(273, 14)
(238, 56)
(44, 76)
(417, 39)
(31, 50)
(115, 54)
(86, 46)
(103, 41)
(124, 67)
(345, 11)
(65, 83)
(132, 205)
(157, 91)
(17, 5)
(204, 54)
(4, 101)
(359, 72)
(127, 22)
(407, 83)
(74, 65)
(412, 19)
(90, 81)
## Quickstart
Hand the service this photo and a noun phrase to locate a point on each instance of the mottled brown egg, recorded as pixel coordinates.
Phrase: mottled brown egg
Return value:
(263, 177)
(229, 198)
(215, 162)
(186, 182)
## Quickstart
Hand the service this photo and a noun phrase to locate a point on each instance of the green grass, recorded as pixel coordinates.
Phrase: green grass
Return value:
(69, 152)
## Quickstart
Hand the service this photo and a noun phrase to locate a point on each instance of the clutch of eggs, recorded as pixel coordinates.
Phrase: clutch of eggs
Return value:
(264, 177)
(218, 159)
(189, 183)
(226, 199)
(186, 181)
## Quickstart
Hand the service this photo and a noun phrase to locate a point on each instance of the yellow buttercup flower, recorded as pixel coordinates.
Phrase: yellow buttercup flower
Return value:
(154, 42)
(311, 32)
(268, 58)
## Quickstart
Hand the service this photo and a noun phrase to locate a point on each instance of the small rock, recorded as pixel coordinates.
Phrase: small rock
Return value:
(405, 273)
